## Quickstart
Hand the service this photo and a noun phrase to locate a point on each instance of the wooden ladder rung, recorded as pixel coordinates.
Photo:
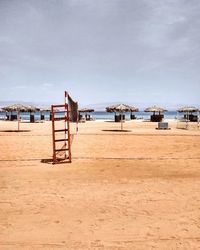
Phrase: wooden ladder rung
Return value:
(62, 159)
(58, 106)
(59, 111)
(60, 130)
(60, 119)
(61, 140)
(62, 149)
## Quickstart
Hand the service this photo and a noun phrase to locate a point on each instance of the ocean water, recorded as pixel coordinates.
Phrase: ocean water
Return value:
(98, 115)
(139, 115)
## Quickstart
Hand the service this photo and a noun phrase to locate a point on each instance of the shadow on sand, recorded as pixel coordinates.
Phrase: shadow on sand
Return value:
(15, 130)
(47, 161)
(115, 130)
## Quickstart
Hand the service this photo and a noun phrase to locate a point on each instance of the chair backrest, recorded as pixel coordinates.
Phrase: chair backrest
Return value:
(163, 125)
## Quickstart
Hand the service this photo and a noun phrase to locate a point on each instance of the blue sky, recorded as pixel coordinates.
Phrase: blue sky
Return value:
(101, 51)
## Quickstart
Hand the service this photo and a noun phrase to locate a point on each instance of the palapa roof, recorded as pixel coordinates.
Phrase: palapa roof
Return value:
(14, 107)
(46, 109)
(134, 109)
(121, 108)
(155, 109)
(31, 108)
(86, 110)
(188, 109)
(20, 108)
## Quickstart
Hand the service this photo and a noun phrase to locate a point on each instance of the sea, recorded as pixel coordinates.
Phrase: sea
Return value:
(97, 115)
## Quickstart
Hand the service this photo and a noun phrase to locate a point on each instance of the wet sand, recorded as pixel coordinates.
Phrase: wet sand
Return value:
(123, 190)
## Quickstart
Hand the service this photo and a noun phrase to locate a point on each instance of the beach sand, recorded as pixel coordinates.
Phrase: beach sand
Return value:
(123, 190)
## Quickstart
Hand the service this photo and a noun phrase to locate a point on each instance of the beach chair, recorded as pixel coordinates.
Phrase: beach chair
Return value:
(163, 125)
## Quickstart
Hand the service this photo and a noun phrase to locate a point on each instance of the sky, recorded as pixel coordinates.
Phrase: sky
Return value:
(100, 51)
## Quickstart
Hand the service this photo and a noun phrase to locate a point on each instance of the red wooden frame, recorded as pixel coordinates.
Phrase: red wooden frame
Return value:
(66, 148)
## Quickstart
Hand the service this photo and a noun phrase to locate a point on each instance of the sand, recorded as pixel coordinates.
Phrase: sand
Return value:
(123, 190)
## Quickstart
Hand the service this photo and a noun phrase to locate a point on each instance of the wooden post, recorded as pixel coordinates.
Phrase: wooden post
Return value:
(121, 114)
(53, 135)
(187, 120)
(18, 119)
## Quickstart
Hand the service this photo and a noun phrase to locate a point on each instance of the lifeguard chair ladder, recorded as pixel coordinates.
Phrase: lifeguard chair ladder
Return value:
(63, 153)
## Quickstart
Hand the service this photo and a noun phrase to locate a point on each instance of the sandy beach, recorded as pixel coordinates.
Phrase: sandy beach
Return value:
(123, 190)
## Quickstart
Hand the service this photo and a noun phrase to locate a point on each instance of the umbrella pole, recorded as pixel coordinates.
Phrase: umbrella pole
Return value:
(121, 120)
(187, 116)
(77, 119)
(18, 119)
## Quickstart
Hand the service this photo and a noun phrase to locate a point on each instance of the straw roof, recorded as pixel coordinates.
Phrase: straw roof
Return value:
(15, 107)
(31, 108)
(45, 109)
(134, 109)
(86, 110)
(121, 108)
(155, 109)
(20, 108)
(188, 109)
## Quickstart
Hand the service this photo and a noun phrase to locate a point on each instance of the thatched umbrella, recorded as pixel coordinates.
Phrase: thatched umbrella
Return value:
(120, 108)
(154, 110)
(188, 110)
(127, 108)
(16, 108)
(86, 110)
(31, 108)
